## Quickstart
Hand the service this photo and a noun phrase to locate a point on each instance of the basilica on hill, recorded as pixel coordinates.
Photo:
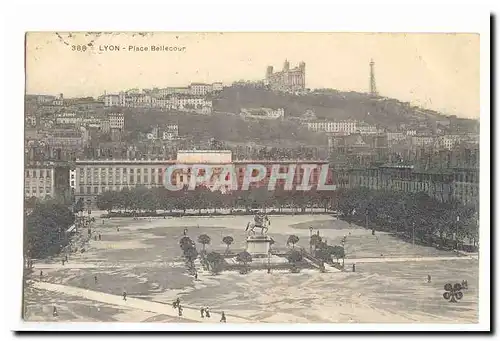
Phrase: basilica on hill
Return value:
(288, 80)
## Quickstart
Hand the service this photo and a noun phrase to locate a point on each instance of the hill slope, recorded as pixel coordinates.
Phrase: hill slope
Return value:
(327, 104)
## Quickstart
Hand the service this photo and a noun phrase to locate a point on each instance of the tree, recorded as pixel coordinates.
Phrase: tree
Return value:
(293, 258)
(190, 253)
(125, 196)
(79, 206)
(293, 239)
(323, 254)
(315, 241)
(244, 258)
(185, 242)
(30, 202)
(215, 261)
(228, 240)
(45, 229)
(106, 201)
(337, 252)
(200, 198)
(204, 240)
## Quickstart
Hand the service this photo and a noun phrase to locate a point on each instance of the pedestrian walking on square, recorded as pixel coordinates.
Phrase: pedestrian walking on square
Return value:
(117, 229)
(207, 312)
(180, 310)
(196, 276)
(95, 279)
(223, 318)
(63, 261)
(54, 312)
(428, 278)
(124, 295)
(354, 268)
(41, 274)
(202, 312)
(99, 236)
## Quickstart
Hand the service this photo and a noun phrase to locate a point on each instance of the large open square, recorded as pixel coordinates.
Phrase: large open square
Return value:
(143, 258)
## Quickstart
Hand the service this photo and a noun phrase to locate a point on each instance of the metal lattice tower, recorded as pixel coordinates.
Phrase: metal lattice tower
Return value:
(373, 84)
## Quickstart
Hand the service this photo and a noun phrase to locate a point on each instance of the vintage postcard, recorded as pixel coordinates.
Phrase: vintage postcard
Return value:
(284, 178)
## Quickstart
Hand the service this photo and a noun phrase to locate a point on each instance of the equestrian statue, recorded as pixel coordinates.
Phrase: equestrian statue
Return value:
(260, 221)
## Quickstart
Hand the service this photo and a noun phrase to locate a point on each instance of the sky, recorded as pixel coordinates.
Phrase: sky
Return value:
(436, 71)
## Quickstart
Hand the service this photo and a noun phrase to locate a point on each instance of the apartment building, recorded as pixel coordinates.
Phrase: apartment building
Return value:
(348, 127)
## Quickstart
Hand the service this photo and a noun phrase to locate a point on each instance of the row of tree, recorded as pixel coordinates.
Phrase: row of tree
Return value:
(45, 228)
(141, 198)
(412, 215)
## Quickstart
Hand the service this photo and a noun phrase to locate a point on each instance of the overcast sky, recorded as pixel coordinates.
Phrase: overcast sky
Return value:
(437, 71)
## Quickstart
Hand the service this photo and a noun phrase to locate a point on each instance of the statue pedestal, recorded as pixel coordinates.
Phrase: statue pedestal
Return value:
(258, 246)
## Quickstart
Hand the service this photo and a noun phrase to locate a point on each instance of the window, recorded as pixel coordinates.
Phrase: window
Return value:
(145, 170)
(131, 179)
(145, 179)
(138, 170)
(89, 190)
(96, 190)
(47, 190)
(131, 170)
(103, 189)
(33, 190)
(27, 173)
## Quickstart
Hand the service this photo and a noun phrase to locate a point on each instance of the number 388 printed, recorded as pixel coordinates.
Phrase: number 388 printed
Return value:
(79, 48)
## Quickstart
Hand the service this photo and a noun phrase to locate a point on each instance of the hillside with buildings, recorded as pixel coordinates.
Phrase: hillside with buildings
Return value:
(333, 105)
(225, 127)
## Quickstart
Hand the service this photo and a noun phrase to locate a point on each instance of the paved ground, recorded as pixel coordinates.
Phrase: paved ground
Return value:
(144, 259)
(189, 313)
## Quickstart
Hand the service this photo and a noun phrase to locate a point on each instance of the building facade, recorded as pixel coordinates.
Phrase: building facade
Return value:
(348, 127)
(200, 89)
(217, 86)
(461, 185)
(116, 121)
(93, 177)
(289, 80)
(39, 182)
(111, 100)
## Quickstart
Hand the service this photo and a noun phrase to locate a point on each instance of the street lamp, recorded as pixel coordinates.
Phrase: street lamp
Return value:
(310, 238)
(342, 242)
(269, 261)
(413, 234)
